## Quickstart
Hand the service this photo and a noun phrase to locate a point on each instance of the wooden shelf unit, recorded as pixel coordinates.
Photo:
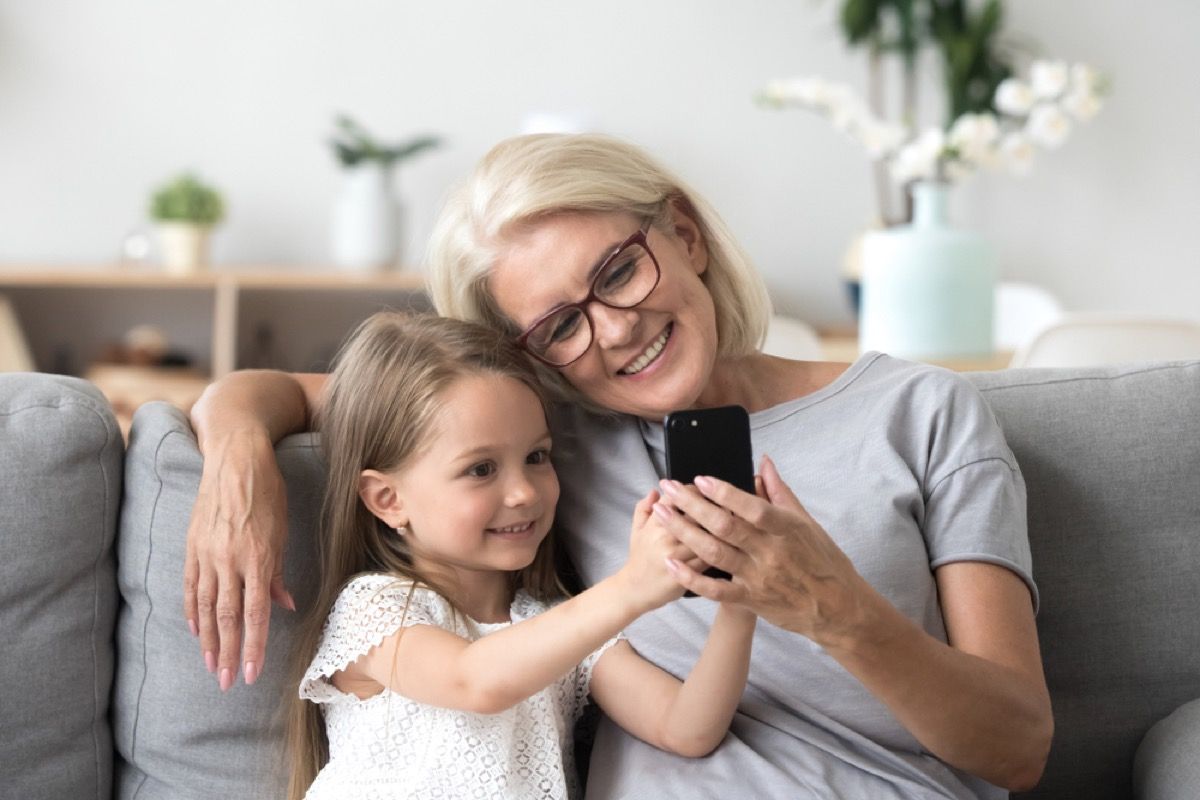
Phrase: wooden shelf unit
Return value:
(227, 285)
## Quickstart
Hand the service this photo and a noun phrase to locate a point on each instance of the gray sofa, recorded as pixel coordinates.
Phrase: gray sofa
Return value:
(103, 692)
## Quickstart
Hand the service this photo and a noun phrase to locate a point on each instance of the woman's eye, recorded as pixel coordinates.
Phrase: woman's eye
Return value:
(482, 470)
(565, 327)
(619, 275)
(540, 456)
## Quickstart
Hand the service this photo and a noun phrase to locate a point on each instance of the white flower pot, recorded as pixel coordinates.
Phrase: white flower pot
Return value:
(184, 246)
(366, 220)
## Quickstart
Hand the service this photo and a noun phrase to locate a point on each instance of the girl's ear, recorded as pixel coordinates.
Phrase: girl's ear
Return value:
(381, 496)
(687, 230)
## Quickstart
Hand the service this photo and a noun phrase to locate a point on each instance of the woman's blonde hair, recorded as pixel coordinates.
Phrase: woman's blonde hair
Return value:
(380, 407)
(527, 178)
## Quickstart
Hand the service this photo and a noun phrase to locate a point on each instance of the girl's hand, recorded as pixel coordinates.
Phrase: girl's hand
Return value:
(785, 567)
(650, 581)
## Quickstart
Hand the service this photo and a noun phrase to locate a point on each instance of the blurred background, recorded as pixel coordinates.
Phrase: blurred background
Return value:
(100, 101)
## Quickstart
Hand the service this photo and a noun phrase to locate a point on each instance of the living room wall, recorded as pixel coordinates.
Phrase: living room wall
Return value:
(100, 101)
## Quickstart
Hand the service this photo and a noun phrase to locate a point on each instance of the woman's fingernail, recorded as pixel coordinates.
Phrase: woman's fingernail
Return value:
(661, 511)
(226, 679)
(250, 671)
(210, 661)
(192, 627)
(668, 487)
(704, 483)
(672, 564)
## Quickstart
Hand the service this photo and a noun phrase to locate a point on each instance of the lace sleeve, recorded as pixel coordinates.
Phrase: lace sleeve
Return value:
(369, 609)
(583, 675)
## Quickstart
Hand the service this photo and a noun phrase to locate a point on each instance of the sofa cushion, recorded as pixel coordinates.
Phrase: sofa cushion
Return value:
(1111, 459)
(177, 736)
(60, 462)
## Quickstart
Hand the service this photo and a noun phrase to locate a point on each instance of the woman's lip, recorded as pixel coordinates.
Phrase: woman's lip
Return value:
(658, 360)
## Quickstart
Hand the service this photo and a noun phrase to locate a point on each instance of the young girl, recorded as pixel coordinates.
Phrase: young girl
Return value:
(450, 664)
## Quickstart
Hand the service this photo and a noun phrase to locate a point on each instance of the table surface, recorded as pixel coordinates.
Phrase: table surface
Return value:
(843, 346)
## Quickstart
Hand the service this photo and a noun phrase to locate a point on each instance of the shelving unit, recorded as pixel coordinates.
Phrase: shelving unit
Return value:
(222, 320)
(56, 305)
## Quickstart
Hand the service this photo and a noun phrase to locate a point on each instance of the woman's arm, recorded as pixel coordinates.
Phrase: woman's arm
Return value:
(979, 703)
(688, 718)
(235, 540)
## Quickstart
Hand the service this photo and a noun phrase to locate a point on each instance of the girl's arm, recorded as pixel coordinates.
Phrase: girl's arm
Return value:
(433, 666)
(235, 540)
(690, 717)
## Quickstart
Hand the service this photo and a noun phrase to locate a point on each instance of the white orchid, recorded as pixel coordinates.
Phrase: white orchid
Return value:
(1048, 125)
(973, 137)
(1037, 111)
(1048, 78)
(1014, 97)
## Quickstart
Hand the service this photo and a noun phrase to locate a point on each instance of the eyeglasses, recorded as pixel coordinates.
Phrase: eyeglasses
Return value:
(624, 279)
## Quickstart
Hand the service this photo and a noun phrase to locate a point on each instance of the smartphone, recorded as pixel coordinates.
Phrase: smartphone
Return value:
(714, 442)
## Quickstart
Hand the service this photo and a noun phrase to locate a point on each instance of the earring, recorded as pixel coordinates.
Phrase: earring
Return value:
(401, 530)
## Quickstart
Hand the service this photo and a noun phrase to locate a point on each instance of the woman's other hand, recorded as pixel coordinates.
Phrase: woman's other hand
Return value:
(235, 545)
(785, 566)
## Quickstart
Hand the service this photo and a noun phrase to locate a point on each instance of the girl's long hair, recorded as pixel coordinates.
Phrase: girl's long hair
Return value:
(379, 407)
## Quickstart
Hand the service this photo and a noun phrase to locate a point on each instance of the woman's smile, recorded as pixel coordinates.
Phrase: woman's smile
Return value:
(649, 358)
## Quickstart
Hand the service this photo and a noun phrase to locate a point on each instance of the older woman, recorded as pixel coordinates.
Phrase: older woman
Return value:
(887, 546)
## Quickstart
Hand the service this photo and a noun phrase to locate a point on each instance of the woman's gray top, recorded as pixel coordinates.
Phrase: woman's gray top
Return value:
(906, 468)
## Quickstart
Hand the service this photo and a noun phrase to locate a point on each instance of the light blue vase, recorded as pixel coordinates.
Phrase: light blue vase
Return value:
(928, 290)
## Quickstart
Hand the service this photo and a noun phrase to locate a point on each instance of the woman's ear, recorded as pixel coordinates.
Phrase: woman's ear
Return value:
(381, 496)
(687, 230)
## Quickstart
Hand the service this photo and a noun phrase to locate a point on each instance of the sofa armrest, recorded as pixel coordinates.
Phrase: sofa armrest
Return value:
(1167, 764)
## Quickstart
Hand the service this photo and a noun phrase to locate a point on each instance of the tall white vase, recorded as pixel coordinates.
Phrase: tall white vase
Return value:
(366, 219)
(928, 290)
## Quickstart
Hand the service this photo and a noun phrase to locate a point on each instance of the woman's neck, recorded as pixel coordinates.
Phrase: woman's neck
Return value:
(758, 381)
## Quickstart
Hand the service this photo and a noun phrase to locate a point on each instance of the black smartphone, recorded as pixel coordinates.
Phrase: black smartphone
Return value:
(714, 442)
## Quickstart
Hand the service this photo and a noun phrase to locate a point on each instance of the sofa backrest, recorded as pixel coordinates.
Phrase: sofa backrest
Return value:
(177, 736)
(60, 489)
(1111, 459)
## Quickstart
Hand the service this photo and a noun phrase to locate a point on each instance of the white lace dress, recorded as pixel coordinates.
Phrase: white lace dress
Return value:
(389, 746)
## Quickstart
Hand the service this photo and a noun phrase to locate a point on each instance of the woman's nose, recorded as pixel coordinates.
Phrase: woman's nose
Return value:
(612, 327)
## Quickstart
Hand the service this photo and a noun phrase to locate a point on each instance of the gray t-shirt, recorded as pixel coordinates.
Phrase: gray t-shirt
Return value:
(906, 468)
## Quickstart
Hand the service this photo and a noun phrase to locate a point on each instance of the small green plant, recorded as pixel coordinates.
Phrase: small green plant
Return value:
(187, 199)
(353, 145)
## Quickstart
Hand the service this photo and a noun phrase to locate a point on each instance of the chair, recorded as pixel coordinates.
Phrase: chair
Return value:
(1023, 310)
(788, 337)
(14, 352)
(1089, 340)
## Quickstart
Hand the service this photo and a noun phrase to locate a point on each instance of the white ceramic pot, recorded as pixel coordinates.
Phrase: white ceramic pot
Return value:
(184, 247)
(365, 231)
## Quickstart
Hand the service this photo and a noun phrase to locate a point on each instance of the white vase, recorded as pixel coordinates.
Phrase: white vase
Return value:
(366, 219)
(928, 289)
(184, 246)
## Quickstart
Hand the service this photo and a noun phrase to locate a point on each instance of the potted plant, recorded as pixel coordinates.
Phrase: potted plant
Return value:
(366, 215)
(185, 209)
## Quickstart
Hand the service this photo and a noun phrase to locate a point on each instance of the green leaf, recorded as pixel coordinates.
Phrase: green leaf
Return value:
(860, 20)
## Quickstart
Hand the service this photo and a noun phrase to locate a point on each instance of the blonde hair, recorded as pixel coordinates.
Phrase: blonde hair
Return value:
(527, 178)
(381, 403)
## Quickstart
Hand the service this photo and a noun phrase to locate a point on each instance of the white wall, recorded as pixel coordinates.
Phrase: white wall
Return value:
(99, 101)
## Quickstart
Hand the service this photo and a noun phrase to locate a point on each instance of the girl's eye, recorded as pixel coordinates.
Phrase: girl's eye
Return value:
(540, 456)
(482, 470)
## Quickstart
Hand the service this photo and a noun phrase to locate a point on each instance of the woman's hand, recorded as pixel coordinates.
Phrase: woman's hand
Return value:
(650, 581)
(235, 544)
(785, 567)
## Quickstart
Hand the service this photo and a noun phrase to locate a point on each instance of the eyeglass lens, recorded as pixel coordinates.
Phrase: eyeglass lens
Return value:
(626, 280)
